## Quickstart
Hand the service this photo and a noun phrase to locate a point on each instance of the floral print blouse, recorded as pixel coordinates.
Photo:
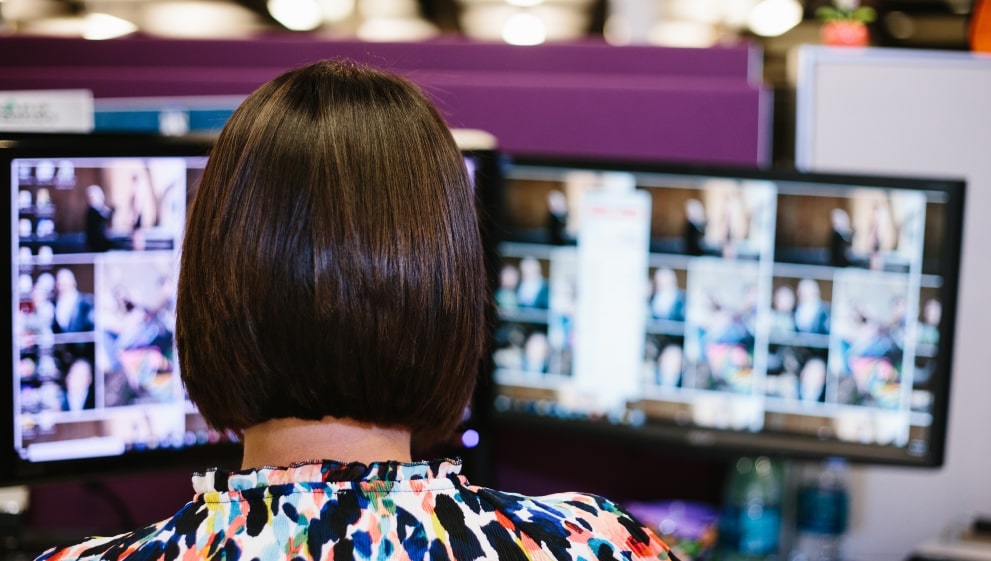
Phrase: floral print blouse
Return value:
(387, 510)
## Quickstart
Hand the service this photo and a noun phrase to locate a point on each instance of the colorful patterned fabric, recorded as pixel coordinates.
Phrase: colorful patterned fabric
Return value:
(388, 510)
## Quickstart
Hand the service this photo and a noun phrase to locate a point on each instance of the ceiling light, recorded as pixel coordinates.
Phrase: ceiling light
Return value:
(524, 29)
(296, 15)
(98, 26)
(92, 26)
(524, 3)
(771, 18)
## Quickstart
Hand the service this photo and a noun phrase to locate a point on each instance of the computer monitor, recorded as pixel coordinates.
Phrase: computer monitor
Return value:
(96, 223)
(728, 311)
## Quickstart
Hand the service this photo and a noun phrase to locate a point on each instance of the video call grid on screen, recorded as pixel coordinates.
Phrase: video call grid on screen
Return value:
(807, 307)
(95, 242)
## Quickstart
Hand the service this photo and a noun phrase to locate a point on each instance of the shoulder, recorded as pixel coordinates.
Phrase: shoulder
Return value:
(159, 541)
(93, 548)
(574, 525)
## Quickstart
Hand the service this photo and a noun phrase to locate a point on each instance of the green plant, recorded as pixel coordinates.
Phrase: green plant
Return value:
(846, 10)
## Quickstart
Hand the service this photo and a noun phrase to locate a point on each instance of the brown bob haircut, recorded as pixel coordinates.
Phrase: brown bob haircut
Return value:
(332, 264)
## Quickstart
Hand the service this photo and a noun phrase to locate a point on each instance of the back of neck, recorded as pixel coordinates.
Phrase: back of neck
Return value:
(281, 442)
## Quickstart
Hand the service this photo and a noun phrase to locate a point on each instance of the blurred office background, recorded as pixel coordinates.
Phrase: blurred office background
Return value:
(777, 26)
(940, 24)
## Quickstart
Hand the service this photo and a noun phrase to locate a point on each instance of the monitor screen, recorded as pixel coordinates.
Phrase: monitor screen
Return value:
(96, 227)
(728, 311)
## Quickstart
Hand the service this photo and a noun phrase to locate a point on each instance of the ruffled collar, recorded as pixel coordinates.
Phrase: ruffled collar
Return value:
(323, 472)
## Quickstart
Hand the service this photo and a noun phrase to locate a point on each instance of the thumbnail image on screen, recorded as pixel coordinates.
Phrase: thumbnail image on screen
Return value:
(798, 306)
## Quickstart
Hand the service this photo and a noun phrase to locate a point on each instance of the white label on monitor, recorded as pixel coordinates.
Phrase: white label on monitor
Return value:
(46, 111)
(610, 319)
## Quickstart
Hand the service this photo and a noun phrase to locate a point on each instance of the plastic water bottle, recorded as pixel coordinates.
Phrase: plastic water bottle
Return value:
(750, 522)
(821, 513)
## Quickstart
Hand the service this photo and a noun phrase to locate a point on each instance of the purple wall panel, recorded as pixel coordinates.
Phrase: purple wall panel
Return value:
(742, 63)
(137, 81)
(584, 99)
(699, 125)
